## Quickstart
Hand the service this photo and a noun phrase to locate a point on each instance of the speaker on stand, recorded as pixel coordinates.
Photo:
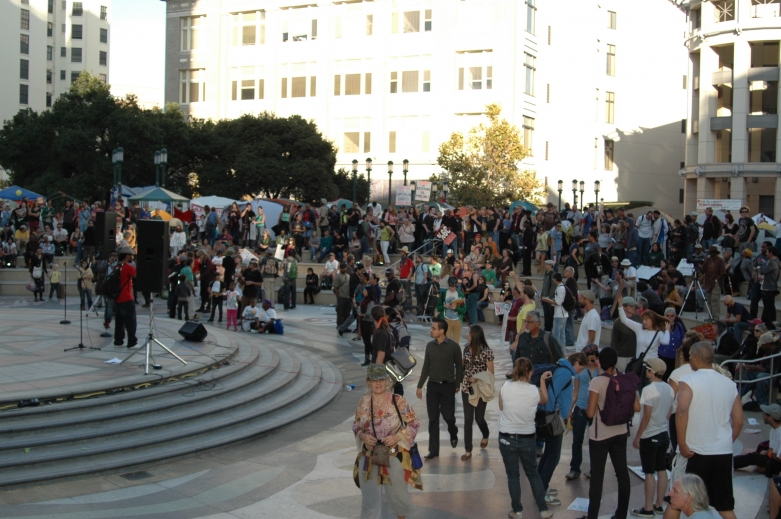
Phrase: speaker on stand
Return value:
(105, 234)
(152, 237)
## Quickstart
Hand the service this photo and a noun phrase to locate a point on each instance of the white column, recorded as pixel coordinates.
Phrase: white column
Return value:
(706, 187)
(709, 63)
(738, 188)
(740, 101)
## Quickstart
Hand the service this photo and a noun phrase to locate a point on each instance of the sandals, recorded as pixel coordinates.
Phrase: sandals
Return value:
(484, 443)
(466, 456)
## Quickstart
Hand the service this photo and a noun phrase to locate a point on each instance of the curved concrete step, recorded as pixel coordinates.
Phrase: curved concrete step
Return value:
(316, 383)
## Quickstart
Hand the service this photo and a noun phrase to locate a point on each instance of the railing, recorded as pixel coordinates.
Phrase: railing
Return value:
(432, 244)
(768, 376)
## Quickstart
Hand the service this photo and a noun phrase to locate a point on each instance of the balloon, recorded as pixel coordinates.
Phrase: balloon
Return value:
(18, 192)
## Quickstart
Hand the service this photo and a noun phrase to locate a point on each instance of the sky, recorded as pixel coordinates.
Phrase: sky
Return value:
(138, 50)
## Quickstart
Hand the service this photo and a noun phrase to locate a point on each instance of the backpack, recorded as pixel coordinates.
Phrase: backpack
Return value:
(619, 399)
(212, 221)
(292, 272)
(112, 286)
(569, 300)
(360, 232)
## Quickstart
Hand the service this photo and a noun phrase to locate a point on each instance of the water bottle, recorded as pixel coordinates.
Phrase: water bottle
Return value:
(349, 387)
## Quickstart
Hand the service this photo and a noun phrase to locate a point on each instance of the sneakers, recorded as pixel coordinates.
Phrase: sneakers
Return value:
(572, 475)
(553, 501)
(515, 515)
(643, 513)
(552, 492)
(587, 474)
(658, 510)
(546, 514)
(253, 331)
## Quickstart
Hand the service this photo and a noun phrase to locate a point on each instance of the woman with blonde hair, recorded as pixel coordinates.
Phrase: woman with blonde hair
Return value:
(385, 427)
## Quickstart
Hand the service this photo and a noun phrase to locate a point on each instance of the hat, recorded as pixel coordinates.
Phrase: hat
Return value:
(452, 281)
(450, 251)
(773, 410)
(343, 265)
(698, 246)
(755, 321)
(125, 250)
(748, 252)
(628, 301)
(323, 201)
(404, 249)
(713, 248)
(626, 263)
(550, 262)
(376, 372)
(388, 271)
(590, 349)
(657, 365)
(766, 338)
(230, 251)
(588, 294)
(669, 310)
(614, 258)
(693, 213)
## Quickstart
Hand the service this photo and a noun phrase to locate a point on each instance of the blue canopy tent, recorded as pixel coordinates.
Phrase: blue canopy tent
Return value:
(17, 193)
(524, 205)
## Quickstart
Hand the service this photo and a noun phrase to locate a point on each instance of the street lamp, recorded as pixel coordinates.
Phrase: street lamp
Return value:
(596, 193)
(369, 176)
(405, 162)
(582, 188)
(157, 168)
(390, 174)
(574, 193)
(561, 190)
(355, 177)
(117, 156)
(163, 165)
(446, 190)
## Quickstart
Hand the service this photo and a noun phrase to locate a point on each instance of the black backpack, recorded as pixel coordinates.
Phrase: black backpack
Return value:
(112, 286)
(569, 300)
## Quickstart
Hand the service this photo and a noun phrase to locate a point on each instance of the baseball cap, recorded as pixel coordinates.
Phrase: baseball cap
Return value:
(591, 349)
(550, 262)
(451, 281)
(628, 301)
(588, 294)
(450, 251)
(388, 271)
(657, 365)
(773, 410)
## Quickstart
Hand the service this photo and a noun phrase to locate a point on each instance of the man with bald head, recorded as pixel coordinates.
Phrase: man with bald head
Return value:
(738, 317)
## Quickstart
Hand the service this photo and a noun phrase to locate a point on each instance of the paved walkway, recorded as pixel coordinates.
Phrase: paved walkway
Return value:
(305, 470)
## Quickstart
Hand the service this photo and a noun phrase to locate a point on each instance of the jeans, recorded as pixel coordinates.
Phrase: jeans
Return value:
(440, 398)
(559, 324)
(471, 307)
(598, 451)
(480, 306)
(84, 293)
(343, 309)
(738, 329)
(632, 256)
(323, 253)
(579, 424)
(54, 288)
(547, 310)
(550, 459)
(569, 330)
(289, 293)
(769, 310)
(350, 232)
(347, 322)
(645, 248)
(126, 320)
(513, 448)
(108, 309)
(473, 413)
(312, 253)
(761, 388)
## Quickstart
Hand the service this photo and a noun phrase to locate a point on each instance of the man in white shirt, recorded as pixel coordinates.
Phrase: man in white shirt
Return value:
(265, 319)
(591, 325)
(559, 313)
(708, 420)
(331, 266)
(60, 237)
(249, 317)
(630, 277)
(645, 229)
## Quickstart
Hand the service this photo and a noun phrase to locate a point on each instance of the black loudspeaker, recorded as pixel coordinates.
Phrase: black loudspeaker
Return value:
(192, 331)
(152, 259)
(105, 234)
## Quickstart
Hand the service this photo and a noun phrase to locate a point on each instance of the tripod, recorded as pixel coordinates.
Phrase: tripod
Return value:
(696, 281)
(81, 331)
(150, 339)
(65, 294)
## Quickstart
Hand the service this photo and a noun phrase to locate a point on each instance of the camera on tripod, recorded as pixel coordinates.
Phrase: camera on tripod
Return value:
(695, 260)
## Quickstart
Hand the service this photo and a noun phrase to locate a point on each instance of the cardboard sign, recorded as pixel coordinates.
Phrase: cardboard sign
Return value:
(423, 191)
(280, 253)
(685, 268)
(403, 195)
(646, 272)
(728, 204)
(446, 235)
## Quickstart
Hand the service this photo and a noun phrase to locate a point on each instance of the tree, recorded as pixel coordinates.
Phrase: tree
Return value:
(483, 167)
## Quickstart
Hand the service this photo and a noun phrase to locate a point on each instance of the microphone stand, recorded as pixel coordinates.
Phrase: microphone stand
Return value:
(81, 326)
(65, 293)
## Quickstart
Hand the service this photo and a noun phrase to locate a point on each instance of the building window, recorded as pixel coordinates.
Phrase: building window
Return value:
(190, 32)
(611, 20)
(63, 52)
(409, 21)
(409, 81)
(475, 78)
(367, 142)
(337, 84)
(528, 134)
(762, 144)
(25, 20)
(351, 142)
(76, 32)
(102, 78)
(549, 34)
(24, 69)
(103, 12)
(24, 44)
(283, 88)
(547, 93)
(62, 28)
(609, 155)
(249, 28)
(369, 24)
(48, 99)
(64, 3)
(23, 94)
(610, 107)
(312, 86)
(103, 58)
(247, 91)
(49, 53)
(724, 146)
(50, 29)
(427, 81)
(367, 88)
(298, 86)
(104, 36)
(531, 15)
(427, 20)
(352, 86)
(529, 65)
(611, 60)
(62, 75)
(298, 30)
(75, 55)
(394, 82)
(77, 9)
(724, 10)
(51, 6)
(49, 76)
(75, 75)
(391, 142)
(192, 86)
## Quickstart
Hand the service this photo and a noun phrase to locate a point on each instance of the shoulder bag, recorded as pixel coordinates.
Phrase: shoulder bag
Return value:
(636, 364)
(380, 454)
(550, 424)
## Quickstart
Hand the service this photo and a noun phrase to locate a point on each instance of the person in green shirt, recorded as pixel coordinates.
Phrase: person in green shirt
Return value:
(489, 273)
(435, 267)
(326, 244)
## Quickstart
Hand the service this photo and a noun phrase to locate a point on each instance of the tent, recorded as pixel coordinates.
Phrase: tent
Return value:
(338, 203)
(212, 201)
(17, 193)
(158, 194)
(163, 215)
(528, 206)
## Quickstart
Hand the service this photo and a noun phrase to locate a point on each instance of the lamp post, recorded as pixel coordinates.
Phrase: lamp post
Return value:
(369, 176)
(390, 174)
(405, 162)
(574, 194)
(582, 188)
(445, 190)
(413, 185)
(355, 178)
(117, 156)
(561, 190)
(157, 169)
(161, 160)
(596, 193)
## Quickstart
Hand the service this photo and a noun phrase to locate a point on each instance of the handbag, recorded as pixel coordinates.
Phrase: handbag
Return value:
(31, 285)
(636, 364)
(380, 454)
(37, 272)
(548, 424)
(400, 364)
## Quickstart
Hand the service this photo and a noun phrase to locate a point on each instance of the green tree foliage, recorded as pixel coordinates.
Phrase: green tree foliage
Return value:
(482, 167)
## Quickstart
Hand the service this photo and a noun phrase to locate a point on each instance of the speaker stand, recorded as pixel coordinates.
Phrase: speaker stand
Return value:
(150, 339)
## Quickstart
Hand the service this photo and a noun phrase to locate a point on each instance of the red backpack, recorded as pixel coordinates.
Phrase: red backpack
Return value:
(619, 399)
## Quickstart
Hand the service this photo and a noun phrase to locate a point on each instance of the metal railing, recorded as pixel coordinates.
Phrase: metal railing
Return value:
(766, 376)
(432, 244)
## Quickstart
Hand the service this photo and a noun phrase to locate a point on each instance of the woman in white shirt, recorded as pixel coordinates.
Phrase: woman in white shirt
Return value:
(518, 400)
(653, 331)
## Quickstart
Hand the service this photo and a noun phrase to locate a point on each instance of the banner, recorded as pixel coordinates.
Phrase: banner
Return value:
(423, 191)
(446, 235)
(198, 210)
(403, 195)
(729, 204)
